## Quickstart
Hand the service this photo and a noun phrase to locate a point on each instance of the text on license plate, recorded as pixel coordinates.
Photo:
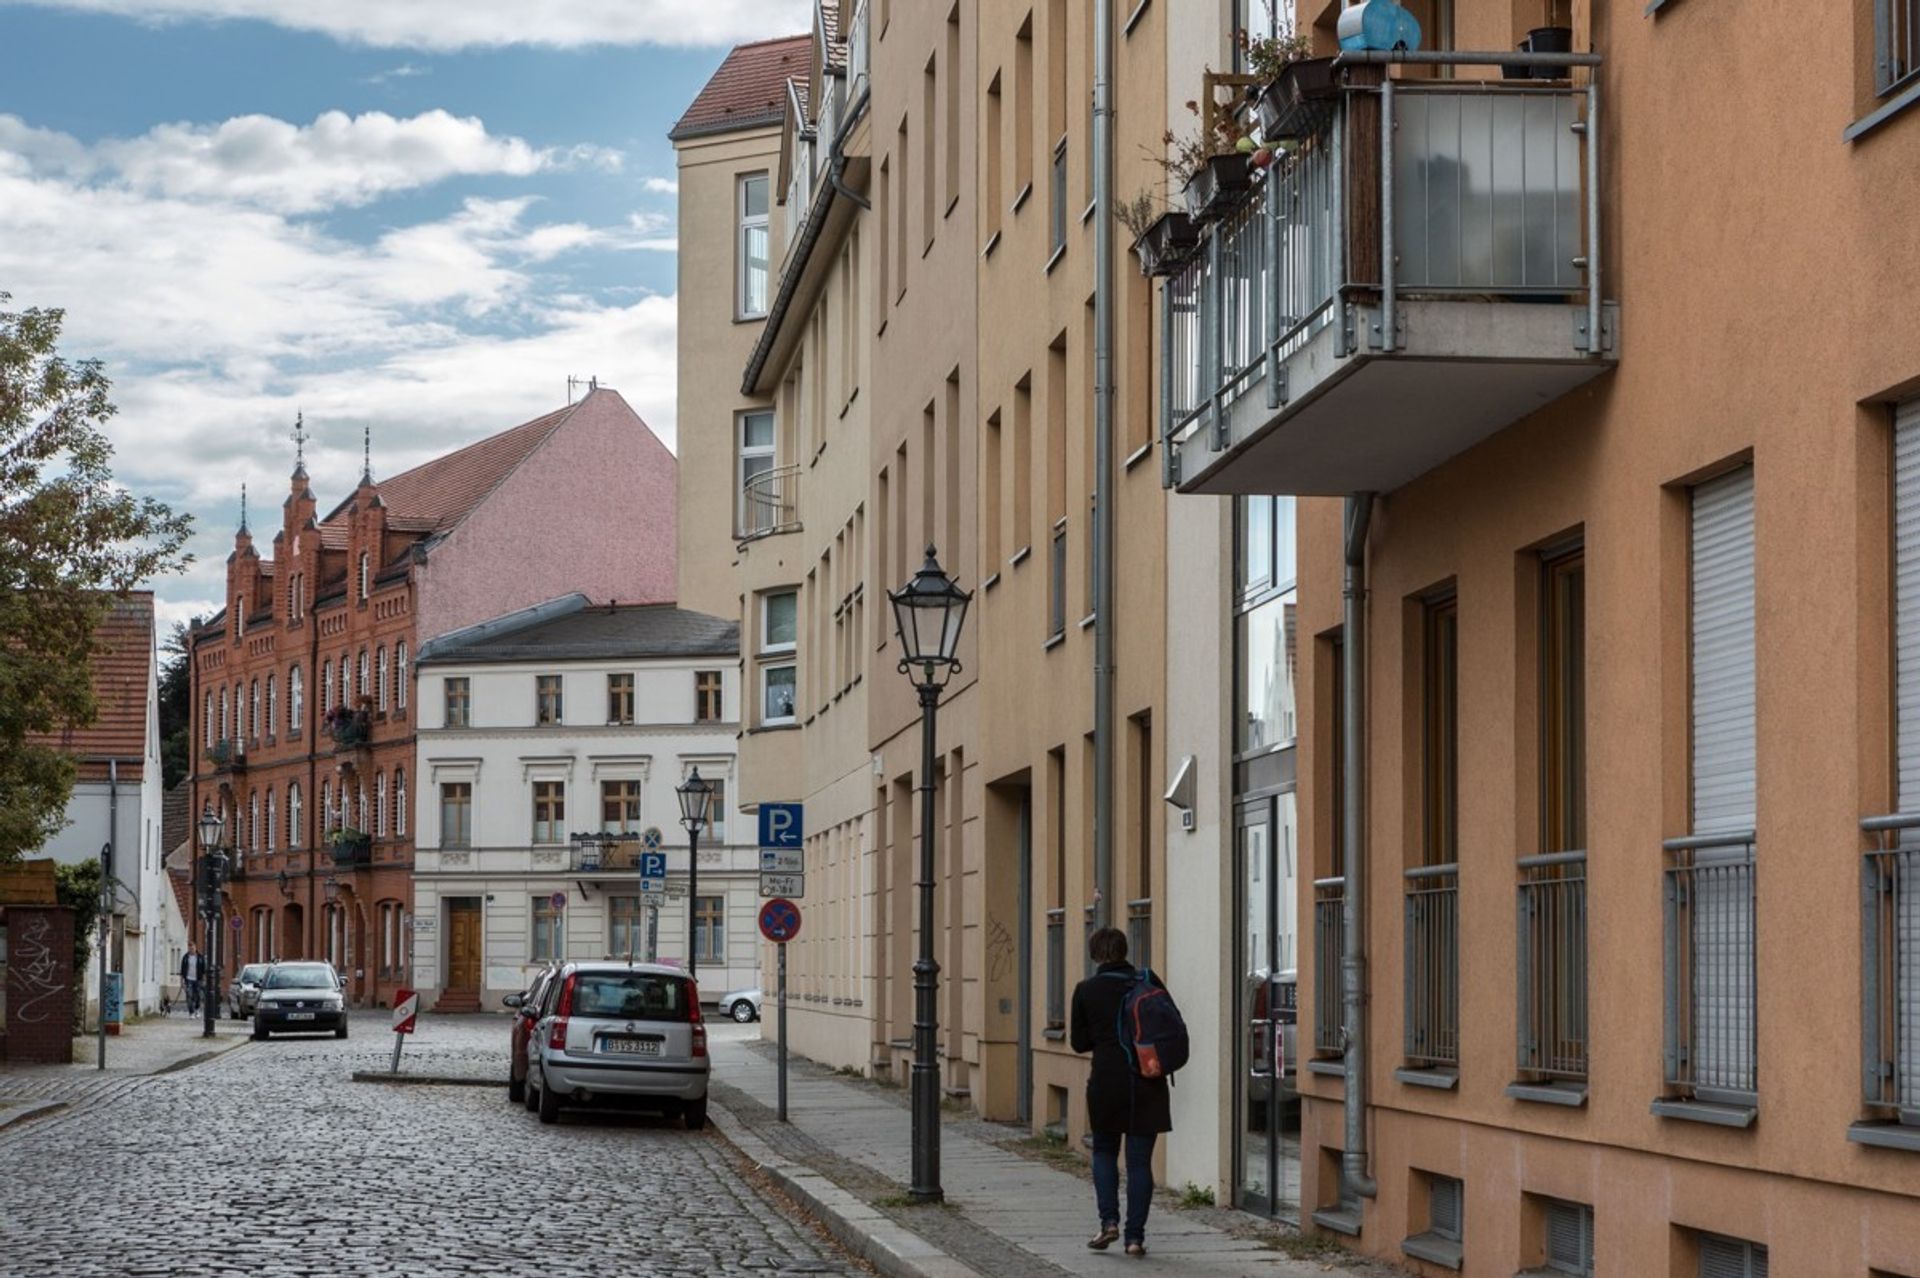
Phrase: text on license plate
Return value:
(631, 1046)
(299, 1016)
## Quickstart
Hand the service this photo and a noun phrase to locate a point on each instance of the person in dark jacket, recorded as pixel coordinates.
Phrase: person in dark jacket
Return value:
(1122, 1107)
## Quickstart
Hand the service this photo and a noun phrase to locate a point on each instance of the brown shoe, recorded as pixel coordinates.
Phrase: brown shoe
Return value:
(1137, 1250)
(1108, 1235)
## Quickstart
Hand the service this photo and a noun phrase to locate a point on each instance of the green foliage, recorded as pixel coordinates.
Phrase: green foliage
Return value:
(176, 707)
(1196, 1195)
(70, 540)
(78, 887)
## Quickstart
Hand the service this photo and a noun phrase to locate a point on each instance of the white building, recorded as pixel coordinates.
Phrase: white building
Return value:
(540, 731)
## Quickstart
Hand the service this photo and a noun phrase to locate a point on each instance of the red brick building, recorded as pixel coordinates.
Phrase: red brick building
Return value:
(302, 702)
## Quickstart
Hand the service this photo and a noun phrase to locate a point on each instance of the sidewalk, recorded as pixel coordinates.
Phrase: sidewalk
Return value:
(848, 1143)
(154, 1045)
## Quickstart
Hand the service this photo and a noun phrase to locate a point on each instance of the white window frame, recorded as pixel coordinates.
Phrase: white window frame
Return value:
(771, 720)
(296, 700)
(767, 646)
(746, 520)
(400, 674)
(293, 815)
(744, 225)
(400, 802)
(380, 679)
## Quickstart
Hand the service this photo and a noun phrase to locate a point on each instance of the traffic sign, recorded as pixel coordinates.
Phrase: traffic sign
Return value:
(780, 825)
(650, 840)
(234, 922)
(777, 885)
(782, 860)
(653, 865)
(779, 921)
(559, 900)
(406, 1006)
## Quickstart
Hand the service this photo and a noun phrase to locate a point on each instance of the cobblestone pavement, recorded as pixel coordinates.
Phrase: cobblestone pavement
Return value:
(267, 1161)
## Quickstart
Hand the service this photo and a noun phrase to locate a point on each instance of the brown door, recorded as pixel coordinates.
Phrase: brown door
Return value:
(463, 944)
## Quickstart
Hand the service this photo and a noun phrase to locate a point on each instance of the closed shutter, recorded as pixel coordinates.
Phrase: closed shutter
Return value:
(1906, 583)
(1722, 652)
(1443, 1208)
(1570, 1238)
(1731, 1258)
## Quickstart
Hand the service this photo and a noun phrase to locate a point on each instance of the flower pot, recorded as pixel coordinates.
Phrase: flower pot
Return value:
(1164, 247)
(1549, 40)
(1283, 108)
(1217, 187)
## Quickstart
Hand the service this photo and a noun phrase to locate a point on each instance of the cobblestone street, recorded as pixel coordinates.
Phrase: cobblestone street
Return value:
(268, 1161)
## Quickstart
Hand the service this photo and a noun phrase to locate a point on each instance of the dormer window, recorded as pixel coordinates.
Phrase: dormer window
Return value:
(366, 573)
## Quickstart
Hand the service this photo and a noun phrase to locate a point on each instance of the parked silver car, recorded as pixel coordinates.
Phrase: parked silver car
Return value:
(741, 1005)
(618, 1032)
(301, 998)
(243, 992)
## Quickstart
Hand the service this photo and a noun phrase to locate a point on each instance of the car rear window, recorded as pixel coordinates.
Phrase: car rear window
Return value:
(638, 996)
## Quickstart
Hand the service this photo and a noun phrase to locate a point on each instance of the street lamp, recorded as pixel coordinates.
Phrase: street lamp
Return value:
(928, 613)
(211, 872)
(696, 809)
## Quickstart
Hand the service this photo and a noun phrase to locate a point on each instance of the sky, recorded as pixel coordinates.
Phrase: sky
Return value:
(418, 216)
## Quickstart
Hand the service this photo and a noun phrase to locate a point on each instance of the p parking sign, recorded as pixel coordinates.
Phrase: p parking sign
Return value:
(780, 825)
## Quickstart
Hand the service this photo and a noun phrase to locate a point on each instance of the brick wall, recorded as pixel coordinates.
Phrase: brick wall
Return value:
(39, 975)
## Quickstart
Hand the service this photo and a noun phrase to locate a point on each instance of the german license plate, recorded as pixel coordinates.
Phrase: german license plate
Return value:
(631, 1046)
(299, 1016)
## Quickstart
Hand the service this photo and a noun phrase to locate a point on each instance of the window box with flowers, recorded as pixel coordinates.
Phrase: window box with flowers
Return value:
(351, 846)
(349, 727)
(1163, 240)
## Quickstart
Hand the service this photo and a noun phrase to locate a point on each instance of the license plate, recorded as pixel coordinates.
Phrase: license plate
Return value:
(631, 1046)
(299, 1016)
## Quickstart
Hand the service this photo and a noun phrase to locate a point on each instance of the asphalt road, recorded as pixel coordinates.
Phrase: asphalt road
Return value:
(268, 1161)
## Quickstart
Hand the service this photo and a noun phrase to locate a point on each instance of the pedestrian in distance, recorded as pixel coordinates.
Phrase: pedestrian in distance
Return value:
(1127, 1019)
(190, 964)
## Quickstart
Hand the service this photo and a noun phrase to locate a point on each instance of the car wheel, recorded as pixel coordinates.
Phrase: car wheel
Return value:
(259, 1034)
(530, 1095)
(516, 1090)
(342, 1031)
(549, 1105)
(695, 1112)
(742, 1011)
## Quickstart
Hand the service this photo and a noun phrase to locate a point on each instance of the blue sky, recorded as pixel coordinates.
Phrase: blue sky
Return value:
(418, 216)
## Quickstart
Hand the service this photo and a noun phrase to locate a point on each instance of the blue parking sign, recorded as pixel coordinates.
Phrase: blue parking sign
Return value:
(653, 865)
(780, 825)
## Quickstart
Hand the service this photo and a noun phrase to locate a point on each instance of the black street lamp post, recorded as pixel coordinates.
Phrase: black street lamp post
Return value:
(928, 613)
(212, 872)
(696, 809)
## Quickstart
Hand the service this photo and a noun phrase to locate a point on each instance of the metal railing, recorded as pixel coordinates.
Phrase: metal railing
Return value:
(769, 503)
(1432, 949)
(1890, 971)
(1140, 932)
(1712, 1040)
(1329, 949)
(1400, 187)
(859, 59)
(1056, 968)
(1552, 936)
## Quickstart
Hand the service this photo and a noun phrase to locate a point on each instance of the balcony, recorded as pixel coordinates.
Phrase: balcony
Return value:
(1432, 949)
(350, 729)
(770, 503)
(1890, 991)
(1712, 1046)
(350, 847)
(228, 755)
(1412, 277)
(1552, 1021)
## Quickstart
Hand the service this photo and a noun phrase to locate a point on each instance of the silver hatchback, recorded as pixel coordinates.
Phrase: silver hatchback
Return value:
(620, 1032)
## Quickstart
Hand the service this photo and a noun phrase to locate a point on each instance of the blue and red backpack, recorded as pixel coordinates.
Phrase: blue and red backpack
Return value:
(1151, 1030)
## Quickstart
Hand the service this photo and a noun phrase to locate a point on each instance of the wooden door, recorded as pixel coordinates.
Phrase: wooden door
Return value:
(463, 944)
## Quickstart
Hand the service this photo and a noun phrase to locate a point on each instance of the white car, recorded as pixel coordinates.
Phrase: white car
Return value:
(741, 1005)
(620, 1032)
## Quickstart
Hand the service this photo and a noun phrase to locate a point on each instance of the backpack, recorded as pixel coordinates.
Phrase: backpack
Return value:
(1151, 1030)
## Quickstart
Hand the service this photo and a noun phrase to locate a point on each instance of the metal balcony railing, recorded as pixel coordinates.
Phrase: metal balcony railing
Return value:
(1329, 949)
(858, 58)
(1056, 968)
(1433, 966)
(228, 754)
(1712, 1043)
(1140, 932)
(1469, 189)
(769, 503)
(1552, 932)
(1890, 974)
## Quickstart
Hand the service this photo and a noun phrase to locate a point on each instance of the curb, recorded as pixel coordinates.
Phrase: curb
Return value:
(422, 1080)
(861, 1228)
(30, 1112)
(201, 1059)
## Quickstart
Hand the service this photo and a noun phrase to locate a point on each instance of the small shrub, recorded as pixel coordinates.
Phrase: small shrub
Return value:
(1196, 1195)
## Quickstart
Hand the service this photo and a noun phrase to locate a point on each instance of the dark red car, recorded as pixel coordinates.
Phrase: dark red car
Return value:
(526, 1009)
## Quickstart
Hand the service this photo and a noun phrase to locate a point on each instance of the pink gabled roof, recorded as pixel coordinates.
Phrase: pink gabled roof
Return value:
(749, 89)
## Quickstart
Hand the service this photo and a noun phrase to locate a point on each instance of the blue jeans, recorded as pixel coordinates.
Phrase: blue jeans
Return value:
(1106, 1180)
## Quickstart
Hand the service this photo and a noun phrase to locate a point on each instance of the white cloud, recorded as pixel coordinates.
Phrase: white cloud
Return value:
(405, 71)
(662, 186)
(338, 160)
(464, 24)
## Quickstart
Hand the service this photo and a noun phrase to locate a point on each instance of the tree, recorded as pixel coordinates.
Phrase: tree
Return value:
(71, 541)
(176, 705)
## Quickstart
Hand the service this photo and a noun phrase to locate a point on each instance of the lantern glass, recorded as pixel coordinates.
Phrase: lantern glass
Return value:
(929, 613)
(696, 801)
(210, 827)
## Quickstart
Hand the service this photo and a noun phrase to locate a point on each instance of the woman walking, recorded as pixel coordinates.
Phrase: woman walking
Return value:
(1123, 1108)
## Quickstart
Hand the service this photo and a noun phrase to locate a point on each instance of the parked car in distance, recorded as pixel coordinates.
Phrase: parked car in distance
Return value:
(622, 1032)
(300, 998)
(244, 990)
(741, 1005)
(526, 1008)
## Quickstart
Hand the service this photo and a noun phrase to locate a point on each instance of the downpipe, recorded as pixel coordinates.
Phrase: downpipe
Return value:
(1103, 487)
(1354, 1178)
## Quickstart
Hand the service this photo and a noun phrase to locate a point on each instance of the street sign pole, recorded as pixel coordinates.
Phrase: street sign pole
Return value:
(406, 1006)
(782, 996)
(780, 923)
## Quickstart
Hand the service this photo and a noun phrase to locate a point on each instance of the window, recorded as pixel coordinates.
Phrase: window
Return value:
(224, 720)
(366, 574)
(619, 698)
(626, 928)
(296, 833)
(456, 814)
(1023, 109)
(620, 807)
(549, 812)
(778, 621)
(253, 710)
(1731, 1258)
(1563, 728)
(777, 694)
(1440, 1242)
(1059, 197)
(206, 721)
(547, 936)
(380, 805)
(1440, 731)
(456, 690)
(546, 700)
(996, 161)
(710, 929)
(326, 808)
(400, 802)
(400, 674)
(754, 448)
(717, 813)
(1568, 1237)
(273, 703)
(273, 820)
(296, 702)
(360, 687)
(253, 822)
(707, 707)
(1896, 40)
(380, 679)
(326, 686)
(361, 823)
(1268, 705)
(753, 247)
(1057, 583)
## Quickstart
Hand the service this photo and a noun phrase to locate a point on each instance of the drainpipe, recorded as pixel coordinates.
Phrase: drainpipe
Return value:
(1103, 599)
(1353, 650)
(107, 871)
(837, 154)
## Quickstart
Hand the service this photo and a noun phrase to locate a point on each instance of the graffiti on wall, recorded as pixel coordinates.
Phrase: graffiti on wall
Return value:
(34, 969)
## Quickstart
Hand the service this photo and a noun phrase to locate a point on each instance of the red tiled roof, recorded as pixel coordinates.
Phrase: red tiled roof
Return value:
(750, 88)
(434, 496)
(122, 664)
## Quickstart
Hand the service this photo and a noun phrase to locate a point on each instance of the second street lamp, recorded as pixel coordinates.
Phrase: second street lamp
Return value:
(212, 869)
(928, 613)
(696, 809)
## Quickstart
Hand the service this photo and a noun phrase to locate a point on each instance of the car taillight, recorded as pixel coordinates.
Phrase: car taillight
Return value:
(566, 998)
(557, 1038)
(699, 1039)
(699, 1026)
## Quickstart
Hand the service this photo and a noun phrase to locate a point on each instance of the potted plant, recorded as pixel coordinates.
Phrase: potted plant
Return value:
(1163, 240)
(1555, 37)
(349, 727)
(1211, 165)
(349, 845)
(1291, 79)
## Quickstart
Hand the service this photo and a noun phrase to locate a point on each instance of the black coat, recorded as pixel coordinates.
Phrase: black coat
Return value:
(1118, 1100)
